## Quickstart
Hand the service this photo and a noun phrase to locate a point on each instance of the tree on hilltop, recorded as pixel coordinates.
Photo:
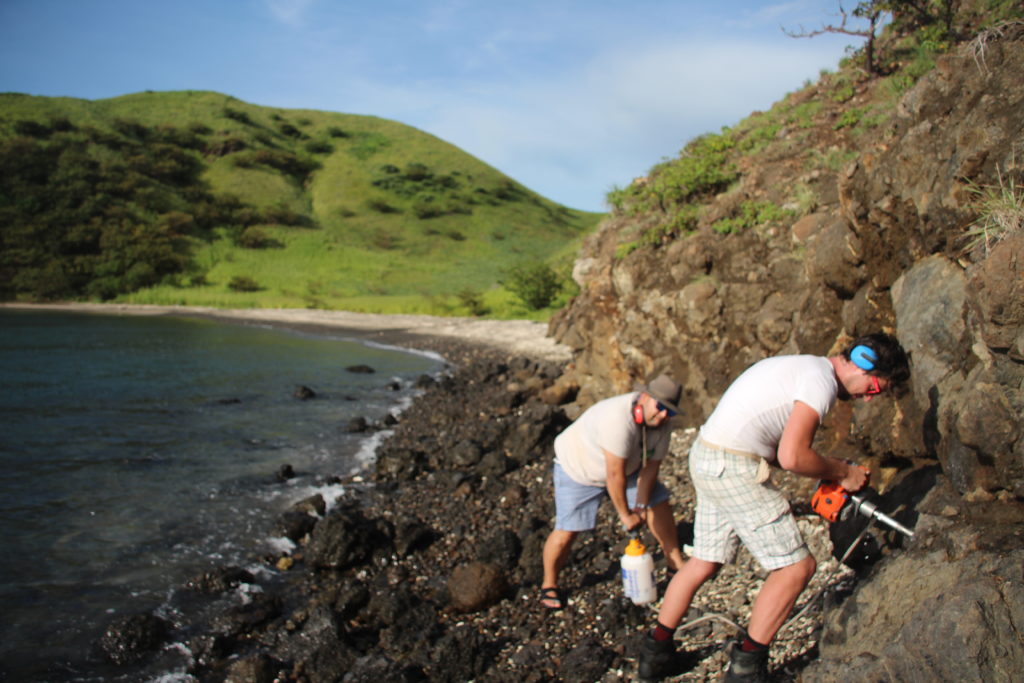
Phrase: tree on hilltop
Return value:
(904, 15)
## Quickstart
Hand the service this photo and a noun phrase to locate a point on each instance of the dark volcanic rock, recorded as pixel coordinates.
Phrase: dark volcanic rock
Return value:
(130, 638)
(242, 619)
(361, 369)
(501, 548)
(345, 538)
(357, 425)
(220, 580)
(374, 668)
(294, 524)
(257, 668)
(285, 472)
(586, 662)
(314, 505)
(412, 535)
(909, 619)
(304, 393)
(463, 654)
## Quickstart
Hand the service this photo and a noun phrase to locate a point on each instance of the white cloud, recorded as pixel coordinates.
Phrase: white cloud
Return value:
(616, 116)
(290, 12)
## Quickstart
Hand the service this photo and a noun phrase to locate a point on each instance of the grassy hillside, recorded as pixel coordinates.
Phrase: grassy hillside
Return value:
(197, 198)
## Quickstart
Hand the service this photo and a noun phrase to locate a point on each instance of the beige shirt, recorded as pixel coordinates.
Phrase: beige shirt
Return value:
(607, 426)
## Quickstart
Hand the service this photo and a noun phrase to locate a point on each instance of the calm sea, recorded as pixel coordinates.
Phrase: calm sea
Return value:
(138, 452)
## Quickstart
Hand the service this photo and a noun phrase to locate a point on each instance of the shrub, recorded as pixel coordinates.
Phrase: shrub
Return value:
(386, 239)
(282, 215)
(288, 130)
(285, 162)
(751, 215)
(426, 210)
(535, 284)
(32, 129)
(850, 117)
(381, 206)
(253, 237)
(319, 147)
(243, 283)
(223, 146)
(236, 115)
(131, 129)
(473, 301)
(417, 171)
(368, 144)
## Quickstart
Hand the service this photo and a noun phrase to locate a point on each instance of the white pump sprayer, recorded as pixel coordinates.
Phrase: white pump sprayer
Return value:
(638, 573)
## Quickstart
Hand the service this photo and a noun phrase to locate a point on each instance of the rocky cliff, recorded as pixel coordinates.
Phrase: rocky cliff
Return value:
(895, 239)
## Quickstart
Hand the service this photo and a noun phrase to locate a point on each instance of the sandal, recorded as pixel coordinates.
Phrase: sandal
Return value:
(552, 595)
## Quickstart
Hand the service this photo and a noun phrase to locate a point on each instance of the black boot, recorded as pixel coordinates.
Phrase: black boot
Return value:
(746, 667)
(657, 659)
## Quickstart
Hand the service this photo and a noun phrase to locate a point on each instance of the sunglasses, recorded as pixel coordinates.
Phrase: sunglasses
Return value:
(875, 387)
(671, 413)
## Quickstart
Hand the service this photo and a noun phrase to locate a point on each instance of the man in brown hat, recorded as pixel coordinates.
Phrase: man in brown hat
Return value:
(613, 450)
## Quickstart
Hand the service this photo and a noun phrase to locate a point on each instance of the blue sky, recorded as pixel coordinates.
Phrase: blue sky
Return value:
(570, 98)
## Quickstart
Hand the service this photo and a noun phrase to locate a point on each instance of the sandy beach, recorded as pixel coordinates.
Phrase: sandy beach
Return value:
(514, 337)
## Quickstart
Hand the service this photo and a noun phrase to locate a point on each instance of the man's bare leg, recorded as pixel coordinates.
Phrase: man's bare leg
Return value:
(663, 525)
(682, 588)
(776, 599)
(556, 552)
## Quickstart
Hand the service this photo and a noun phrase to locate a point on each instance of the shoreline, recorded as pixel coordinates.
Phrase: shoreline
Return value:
(448, 336)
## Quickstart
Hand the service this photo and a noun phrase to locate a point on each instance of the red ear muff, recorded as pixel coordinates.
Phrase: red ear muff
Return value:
(638, 413)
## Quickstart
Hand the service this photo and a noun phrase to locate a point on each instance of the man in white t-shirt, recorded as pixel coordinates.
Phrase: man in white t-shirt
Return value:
(614, 450)
(769, 415)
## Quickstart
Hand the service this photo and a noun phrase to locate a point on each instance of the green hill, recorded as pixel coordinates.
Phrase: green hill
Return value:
(197, 198)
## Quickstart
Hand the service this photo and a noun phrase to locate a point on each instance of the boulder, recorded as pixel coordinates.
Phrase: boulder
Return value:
(476, 586)
(236, 621)
(950, 608)
(256, 668)
(128, 639)
(304, 393)
(294, 525)
(501, 548)
(357, 425)
(462, 654)
(346, 538)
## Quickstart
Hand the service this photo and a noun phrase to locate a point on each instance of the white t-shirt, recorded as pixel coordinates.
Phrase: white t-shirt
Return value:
(755, 408)
(607, 425)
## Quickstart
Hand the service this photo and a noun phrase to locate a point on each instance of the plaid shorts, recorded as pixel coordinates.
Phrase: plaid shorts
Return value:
(733, 507)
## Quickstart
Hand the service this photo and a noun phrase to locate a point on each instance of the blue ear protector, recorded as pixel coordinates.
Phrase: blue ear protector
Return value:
(863, 357)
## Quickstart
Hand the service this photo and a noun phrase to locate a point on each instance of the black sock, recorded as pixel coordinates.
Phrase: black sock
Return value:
(662, 633)
(751, 645)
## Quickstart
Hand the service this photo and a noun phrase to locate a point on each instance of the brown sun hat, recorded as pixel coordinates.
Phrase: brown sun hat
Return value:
(665, 390)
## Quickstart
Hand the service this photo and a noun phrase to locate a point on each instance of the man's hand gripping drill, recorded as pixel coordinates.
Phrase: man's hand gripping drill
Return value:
(834, 502)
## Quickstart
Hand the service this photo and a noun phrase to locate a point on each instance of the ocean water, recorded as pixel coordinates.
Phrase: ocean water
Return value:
(139, 452)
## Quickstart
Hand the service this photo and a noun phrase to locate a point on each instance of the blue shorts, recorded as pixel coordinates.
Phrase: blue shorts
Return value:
(576, 504)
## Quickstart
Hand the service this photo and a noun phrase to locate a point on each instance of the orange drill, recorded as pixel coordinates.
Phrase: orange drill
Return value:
(834, 503)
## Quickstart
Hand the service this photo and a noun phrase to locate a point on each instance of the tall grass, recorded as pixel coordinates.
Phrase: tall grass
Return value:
(1000, 213)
